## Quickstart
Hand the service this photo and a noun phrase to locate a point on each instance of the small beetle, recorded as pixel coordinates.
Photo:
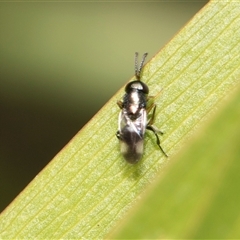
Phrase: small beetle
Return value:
(133, 119)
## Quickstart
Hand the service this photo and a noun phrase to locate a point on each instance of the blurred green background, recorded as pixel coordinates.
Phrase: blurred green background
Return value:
(59, 64)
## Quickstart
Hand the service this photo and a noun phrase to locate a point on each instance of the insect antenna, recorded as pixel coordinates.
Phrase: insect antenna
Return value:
(138, 69)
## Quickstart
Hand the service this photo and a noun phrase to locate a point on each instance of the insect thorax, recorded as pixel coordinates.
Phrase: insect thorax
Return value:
(133, 102)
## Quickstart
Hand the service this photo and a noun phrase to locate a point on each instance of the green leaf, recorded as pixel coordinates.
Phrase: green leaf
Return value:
(197, 196)
(88, 187)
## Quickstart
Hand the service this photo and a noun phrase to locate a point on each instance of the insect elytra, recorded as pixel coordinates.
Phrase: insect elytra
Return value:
(133, 118)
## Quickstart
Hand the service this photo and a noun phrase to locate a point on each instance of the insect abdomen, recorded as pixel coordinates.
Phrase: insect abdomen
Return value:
(131, 146)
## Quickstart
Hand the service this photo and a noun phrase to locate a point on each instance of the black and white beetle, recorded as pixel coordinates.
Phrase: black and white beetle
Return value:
(133, 119)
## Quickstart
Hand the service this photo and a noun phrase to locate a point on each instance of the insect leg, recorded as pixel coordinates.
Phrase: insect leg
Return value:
(118, 135)
(150, 102)
(120, 104)
(155, 131)
(151, 120)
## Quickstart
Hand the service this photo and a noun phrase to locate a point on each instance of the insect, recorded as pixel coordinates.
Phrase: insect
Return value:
(133, 119)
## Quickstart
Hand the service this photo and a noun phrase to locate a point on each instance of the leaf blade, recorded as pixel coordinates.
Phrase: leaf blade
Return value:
(88, 187)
